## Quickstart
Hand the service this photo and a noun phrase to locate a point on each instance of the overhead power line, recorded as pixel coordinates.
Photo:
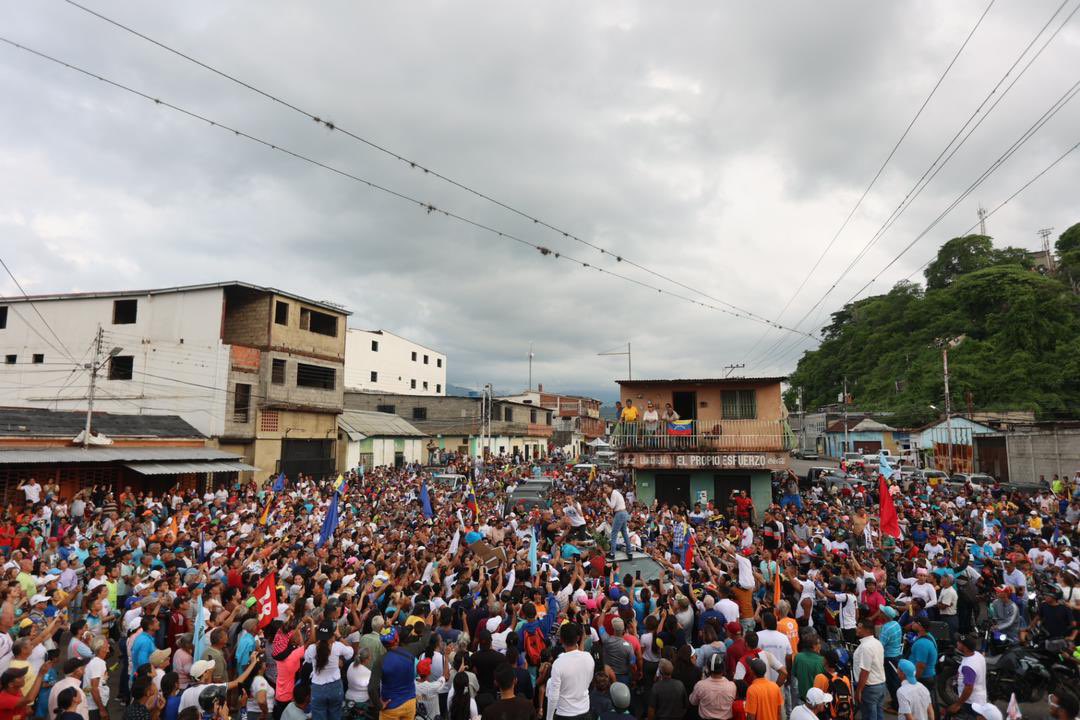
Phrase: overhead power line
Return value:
(424, 205)
(877, 175)
(939, 163)
(33, 307)
(415, 164)
(1035, 178)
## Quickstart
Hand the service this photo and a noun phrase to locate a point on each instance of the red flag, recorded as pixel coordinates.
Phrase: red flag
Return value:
(266, 597)
(776, 586)
(890, 523)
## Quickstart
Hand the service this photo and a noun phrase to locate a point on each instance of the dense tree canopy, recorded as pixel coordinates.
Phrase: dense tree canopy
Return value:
(1020, 345)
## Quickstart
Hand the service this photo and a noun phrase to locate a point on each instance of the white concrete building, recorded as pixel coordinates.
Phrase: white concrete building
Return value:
(375, 439)
(257, 370)
(380, 361)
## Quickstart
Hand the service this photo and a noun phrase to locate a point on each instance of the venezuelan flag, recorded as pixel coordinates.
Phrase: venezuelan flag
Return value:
(683, 428)
(470, 500)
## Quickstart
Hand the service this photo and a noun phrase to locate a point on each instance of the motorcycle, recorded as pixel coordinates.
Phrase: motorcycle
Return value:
(1030, 670)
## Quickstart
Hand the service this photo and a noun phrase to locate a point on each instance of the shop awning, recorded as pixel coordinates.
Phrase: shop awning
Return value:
(181, 468)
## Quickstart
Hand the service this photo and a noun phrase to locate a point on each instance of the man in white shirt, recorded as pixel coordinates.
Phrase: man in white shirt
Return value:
(923, 590)
(775, 642)
(868, 664)
(619, 522)
(31, 491)
(571, 674)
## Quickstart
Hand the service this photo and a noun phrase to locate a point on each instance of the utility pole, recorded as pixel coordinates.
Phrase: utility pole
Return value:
(731, 368)
(982, 213)
(1045, 233)
(802, 422)
(948, 402)
(94, 366)
(845, 416)
(531, 354)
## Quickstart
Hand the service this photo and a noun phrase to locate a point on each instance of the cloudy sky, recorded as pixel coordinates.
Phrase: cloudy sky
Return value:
(718, 144)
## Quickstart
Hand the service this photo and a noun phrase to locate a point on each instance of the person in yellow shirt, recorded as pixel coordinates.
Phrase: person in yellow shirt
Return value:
(629, 412)
(1035, 523)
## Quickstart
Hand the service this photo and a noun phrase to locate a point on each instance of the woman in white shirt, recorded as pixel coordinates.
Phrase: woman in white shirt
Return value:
(325, 656)
(260, 694)
(358, 676)
(460, 703)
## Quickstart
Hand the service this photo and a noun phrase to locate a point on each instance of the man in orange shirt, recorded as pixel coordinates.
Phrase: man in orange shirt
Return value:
(763, 698)
(787, 625)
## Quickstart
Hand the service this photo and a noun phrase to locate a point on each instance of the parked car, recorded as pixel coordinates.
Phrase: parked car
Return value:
(804, 454)
(451, 481)
(936, 476)
(959, 480)
(853, 459)
(813, 474)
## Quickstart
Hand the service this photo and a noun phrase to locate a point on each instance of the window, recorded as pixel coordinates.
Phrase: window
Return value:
(315, 376)
(277, 371)
(438, 362)
(318, 322)
(124, 312)
(425, 359)
(374, 346)
(532, 416)
(10, 359)
(547, 418)
(3, 316)
(508, 414)
(374, 376)
(412, 384)
(419, 413)
(39, 358)
(242, 403)
(281, 313)
(438, 387)
(425, 385)
(121, 367)
(739, 404)
(414, 357)
(388, 409)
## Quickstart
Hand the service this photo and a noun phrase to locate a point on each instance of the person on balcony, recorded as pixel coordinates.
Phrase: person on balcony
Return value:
(651, 421)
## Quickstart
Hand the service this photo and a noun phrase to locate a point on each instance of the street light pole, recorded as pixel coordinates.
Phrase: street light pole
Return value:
(948, 402)
(93, 384)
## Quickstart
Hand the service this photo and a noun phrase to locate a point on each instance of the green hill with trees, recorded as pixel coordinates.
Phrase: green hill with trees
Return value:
(1019, 333)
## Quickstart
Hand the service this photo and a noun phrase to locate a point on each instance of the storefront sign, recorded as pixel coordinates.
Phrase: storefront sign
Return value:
(705, 461)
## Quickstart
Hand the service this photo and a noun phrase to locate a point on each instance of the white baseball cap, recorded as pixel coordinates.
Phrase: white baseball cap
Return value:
(817, 696)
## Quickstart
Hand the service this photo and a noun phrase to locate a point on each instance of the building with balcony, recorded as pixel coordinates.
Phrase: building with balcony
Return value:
(256, 370)
(732, 433)
(576, 419)
(380, 361)
(454, 424)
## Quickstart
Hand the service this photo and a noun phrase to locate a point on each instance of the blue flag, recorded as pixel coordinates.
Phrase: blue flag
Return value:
(532, 554)
(884, 467)
(329, 523)
(279, 484)
(198, 635)
(425, 500)
(200, 555)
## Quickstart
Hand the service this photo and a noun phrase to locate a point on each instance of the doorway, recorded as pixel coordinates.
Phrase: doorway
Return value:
(673, 488)
(724, 486)
(685, 404)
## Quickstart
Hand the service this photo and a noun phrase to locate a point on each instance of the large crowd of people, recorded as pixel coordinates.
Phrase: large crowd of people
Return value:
(385, 593)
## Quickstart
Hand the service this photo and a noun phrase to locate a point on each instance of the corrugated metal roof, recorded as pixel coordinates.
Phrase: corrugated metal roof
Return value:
(53, 455)
(39, 422)
(176, 289)
(364, 423)
(154, 468)
(706, 381)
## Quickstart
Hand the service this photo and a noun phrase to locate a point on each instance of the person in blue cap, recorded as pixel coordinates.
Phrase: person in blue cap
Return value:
(913, 699)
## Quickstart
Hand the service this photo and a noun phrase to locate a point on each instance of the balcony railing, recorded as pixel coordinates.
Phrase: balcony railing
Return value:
(716, 435)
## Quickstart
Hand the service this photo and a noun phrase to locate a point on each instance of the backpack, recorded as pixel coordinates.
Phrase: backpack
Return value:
(843, 703)
(534, 645)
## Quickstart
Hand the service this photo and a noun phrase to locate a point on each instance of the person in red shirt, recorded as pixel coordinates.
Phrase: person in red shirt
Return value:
(737, 648)
(13, 704)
